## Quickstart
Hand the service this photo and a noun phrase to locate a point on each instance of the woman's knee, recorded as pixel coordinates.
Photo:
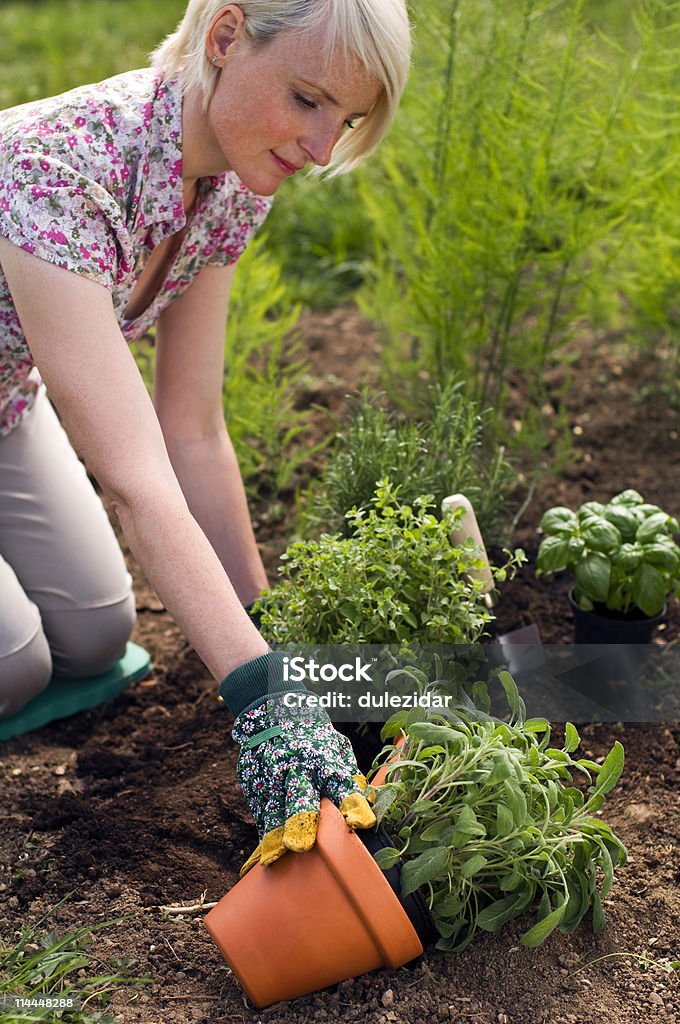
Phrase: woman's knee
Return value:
(90, 641)
(24, 674)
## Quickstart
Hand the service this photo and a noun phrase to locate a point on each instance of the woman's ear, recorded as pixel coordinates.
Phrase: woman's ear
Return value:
(225, 29)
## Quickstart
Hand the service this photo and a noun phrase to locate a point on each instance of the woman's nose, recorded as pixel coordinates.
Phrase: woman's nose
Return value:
(320, 145)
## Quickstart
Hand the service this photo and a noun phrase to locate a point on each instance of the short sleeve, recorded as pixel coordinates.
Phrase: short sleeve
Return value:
(53, 211)
(241, 213)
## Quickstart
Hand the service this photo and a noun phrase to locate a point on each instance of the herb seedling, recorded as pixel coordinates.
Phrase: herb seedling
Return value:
(396, 578)
(489, 825)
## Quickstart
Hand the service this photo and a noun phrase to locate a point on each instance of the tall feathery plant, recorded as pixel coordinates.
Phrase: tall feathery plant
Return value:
(490, 204)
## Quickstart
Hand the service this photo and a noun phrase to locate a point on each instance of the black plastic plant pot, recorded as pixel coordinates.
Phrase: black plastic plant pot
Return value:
(611, 651)
(606, 627)
(414, 905)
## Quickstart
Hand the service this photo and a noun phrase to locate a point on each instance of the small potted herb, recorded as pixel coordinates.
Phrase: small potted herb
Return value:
(488, 825)
(397, 577)
(624, 560)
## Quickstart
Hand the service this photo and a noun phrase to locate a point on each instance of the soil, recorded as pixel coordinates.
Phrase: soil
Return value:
(135, 805)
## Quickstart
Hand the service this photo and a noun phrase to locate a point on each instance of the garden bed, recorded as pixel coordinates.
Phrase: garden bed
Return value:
(135, 805)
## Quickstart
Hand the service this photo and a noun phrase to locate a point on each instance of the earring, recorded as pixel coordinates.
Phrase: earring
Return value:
(214, 59)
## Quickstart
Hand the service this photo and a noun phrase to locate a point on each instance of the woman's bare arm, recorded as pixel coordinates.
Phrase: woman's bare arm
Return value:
(188, 399)
(93, 381)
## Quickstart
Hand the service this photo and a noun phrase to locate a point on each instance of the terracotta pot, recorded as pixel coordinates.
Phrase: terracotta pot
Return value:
(313, 919)
(381, 775)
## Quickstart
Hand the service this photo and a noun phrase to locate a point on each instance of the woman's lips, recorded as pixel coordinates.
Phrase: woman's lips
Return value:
(283, 164)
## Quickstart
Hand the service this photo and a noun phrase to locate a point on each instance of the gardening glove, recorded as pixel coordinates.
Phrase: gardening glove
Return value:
(290, 757)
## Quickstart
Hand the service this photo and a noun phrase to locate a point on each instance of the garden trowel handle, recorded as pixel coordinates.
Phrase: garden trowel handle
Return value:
(469, 528)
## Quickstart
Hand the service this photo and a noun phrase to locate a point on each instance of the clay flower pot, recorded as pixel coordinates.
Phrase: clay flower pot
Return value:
(313, 919)
(381, 775)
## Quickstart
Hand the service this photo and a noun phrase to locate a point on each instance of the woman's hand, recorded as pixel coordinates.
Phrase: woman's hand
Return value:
(290, 757)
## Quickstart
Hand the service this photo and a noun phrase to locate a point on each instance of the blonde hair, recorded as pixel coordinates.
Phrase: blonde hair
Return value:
(376, 31)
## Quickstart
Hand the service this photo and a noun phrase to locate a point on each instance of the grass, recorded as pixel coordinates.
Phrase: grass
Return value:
(49, 47)
(58, 977)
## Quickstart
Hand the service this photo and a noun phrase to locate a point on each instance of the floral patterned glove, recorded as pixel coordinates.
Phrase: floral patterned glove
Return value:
(290, 757)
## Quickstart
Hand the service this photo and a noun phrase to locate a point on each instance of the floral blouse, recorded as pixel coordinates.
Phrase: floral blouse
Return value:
(92, 181)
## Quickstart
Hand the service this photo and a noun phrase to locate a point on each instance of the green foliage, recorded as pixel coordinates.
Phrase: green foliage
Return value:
(55, 45)
(320, 233)
(263, 367)
(42, 965)
(489, 825)
(622, 554)
(647, 188)
(444, 453)
(506, 200)
(396, 578)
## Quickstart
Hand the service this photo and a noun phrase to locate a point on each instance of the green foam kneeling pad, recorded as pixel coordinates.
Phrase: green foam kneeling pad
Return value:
(64, 697)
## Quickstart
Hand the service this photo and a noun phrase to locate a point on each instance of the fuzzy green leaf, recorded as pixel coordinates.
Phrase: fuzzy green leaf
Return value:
(467, 823)
(516, 801)
(432, 733)
(598, 914)
(536, 725)
(611, 769)
(425, 868)
(386, 858)
(505, 821)
(515, 702)
(542, 929)
(502, 769)
(473, 865)
(498, 913)
(571, 738)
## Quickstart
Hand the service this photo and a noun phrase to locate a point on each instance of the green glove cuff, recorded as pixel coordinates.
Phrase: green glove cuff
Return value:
(250, 685)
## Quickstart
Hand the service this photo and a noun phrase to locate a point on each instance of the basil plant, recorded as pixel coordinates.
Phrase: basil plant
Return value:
(622, 554)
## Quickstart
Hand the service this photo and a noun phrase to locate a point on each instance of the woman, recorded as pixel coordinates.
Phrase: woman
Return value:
(127, 204)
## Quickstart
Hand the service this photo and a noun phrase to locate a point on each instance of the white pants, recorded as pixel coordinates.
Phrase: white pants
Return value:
(66, 601)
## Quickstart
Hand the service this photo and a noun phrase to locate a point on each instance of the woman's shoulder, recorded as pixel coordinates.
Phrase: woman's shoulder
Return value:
(124, 102)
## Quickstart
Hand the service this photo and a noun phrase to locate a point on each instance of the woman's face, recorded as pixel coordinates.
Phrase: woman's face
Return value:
(279, 107)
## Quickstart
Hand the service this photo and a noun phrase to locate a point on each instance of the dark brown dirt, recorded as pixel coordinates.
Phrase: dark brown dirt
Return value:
(135, 804)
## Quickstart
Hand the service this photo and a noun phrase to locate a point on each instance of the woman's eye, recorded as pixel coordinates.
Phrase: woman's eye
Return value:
(304, 102)
(350, 124)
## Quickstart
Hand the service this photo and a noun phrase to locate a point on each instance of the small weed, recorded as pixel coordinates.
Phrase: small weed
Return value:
(644, 963)
(45, 976)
